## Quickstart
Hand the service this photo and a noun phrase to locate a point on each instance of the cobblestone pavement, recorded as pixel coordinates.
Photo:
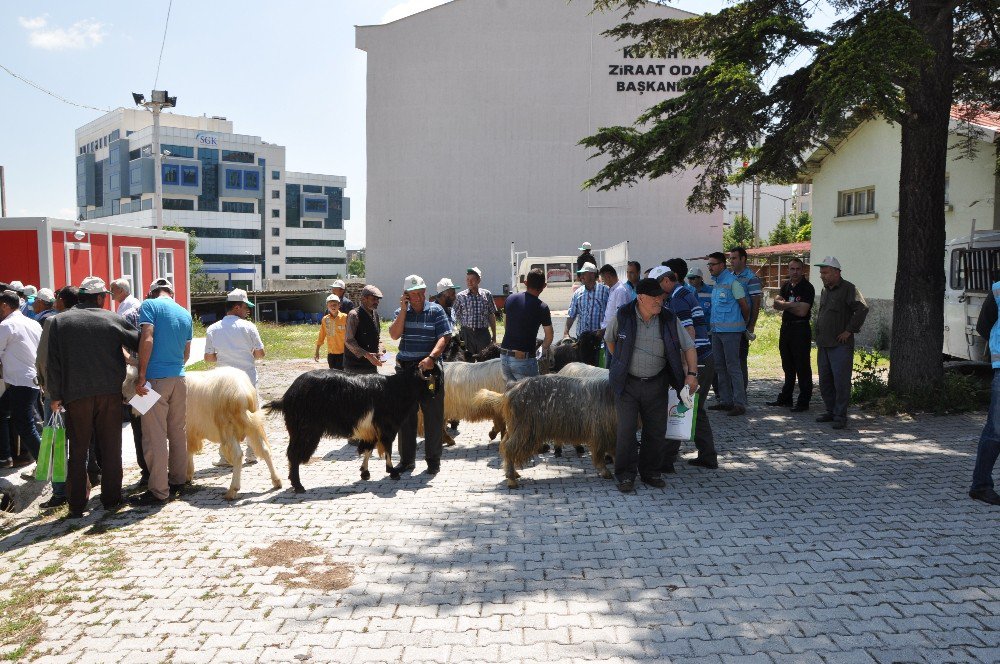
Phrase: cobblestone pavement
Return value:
(807, 545)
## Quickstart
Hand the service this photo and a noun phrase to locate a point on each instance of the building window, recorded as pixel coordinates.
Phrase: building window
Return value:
(234, 179)
(237, 156)
(165, 264)
(251, 180)
(275, 232)
(239, 259)
(275, 175)
(311, 223)
(223, 232)
(312, 189)
(314, 206)
(237, 206)
(275, 214)
(132, 268)
(315, 260)
(275, 269)
(275, 193)
(178, 150)
(189, 176)
(856, 202)
(947, 190)
(275, 251)
(313, 243)
(171, 174)
(178, 204)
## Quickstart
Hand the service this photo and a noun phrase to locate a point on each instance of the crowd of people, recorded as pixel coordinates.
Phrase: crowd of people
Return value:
(662, 330)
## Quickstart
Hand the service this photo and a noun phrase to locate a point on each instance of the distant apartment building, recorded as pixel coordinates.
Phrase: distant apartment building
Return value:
(231, 190)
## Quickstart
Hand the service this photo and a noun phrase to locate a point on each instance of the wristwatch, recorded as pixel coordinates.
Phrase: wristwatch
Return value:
(693, 373)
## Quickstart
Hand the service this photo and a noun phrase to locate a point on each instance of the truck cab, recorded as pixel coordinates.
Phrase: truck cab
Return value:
(560, 279)
(971, 264)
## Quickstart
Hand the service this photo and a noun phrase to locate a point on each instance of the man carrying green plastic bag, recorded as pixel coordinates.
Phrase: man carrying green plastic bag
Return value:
(52, 455)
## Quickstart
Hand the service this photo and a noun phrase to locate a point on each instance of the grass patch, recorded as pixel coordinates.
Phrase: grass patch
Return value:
(111, 562)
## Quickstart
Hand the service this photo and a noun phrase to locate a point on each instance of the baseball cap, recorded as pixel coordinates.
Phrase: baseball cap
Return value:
(695, 272)
(332, 298)
(93, 286)
(46, 295)
(587, 267)
(338, 283)
(658, 272)
(474, 270)
(239, 295)
(413, 282)
(162, 282)
(648, 286)
(17, 287)
(30, 291)
(444, 284)
(371, 290)
(829, 261)
(585, 246)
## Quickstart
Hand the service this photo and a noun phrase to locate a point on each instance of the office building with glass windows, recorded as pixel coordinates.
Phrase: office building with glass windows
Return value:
(231, 190)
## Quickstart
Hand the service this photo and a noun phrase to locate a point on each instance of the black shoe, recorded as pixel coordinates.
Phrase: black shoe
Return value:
(145, 499)
(544, 448)
(779, 402)
(52, 503)
(825, 417)
(720, 406)
(839, 424)
(6, 463)
(736, 411)
(626, 486)
(143, 481)
(433, 468)
(655, 482)
(30, 477)
(580, 450)
(703, 463)
(989, 496)
(95, 479)
(176, 489)
(800, 408)
(75, 514)
(402, 468)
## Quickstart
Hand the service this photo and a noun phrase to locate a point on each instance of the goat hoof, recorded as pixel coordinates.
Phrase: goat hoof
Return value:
(230, 495)
(365, 475)
(544, 448)
(449, 443)
(276, 484)
(298, 488)
(493, 434)
(557, 452)
(394, 476)
(580, 450)
(606, 474)
(511, 483)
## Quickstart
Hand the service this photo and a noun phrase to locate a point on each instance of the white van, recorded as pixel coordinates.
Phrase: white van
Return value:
(560, 279)
(970, 262)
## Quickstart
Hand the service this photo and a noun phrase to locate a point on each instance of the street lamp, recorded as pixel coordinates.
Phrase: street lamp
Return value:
(159, 101)
(784, 203)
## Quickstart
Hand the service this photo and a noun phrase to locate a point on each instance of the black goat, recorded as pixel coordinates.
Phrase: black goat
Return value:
(368, 408)
(583, 350)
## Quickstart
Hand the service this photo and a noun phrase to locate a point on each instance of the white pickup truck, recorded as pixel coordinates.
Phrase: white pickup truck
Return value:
(971, 264)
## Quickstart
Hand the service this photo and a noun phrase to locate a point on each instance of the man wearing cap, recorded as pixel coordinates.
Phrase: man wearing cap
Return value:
(589, 303)
(44, 305)
(730, 311)
(339, 288)
(121, 293)
(651, 353)
(84, 374)
(525, 314)
(164, 347)
(19, 337)
(476, 313)
(423, 332)
(362, 354)
(842, 312)
(685, 306)
(585, 257)
(755, 293)
(445, 297)
(332, 330)
(795, 301)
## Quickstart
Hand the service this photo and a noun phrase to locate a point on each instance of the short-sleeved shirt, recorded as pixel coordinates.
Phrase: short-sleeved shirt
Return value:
(648, 355)
(171, 332)
(525, 314)
(800, 292)
(589, 306)
(234, 340)
(421, 331)
(750, 282)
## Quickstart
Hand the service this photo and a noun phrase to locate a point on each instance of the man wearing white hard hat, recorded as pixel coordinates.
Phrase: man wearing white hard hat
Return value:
(332, 331)
(339, 288)
(585, 256)
(445, 297)
(44, 305)
(235, 342)
(475, 311)
(423, 332)
(842, 312)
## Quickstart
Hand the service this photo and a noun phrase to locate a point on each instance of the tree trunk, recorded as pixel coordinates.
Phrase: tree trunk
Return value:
(918, 311)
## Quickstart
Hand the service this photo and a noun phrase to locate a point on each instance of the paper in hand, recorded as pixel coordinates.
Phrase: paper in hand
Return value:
(144, 403)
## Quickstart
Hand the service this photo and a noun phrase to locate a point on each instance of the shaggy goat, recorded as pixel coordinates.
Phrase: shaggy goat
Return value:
(463, 380)
(368, 408)
(581, 370)
(583, 350)
(578, 411)
(221, 407)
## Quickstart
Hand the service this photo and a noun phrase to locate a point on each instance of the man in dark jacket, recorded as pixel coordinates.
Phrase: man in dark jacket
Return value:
(84, 374)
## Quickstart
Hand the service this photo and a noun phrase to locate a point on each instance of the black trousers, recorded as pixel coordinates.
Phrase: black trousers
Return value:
(336, 361)
(647, 399)
(98, 417)
(794, 344)
(432, 407)
(140, 458)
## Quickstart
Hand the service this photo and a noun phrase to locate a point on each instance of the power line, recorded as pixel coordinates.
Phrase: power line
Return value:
(163, 43)
(50, 93)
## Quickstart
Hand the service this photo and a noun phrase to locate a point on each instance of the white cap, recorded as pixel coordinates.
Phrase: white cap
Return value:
(587, 267)
(695, 272)
(332, 298)
(16, 285)
(93, 286)
(444, 284)
(338, 283)
(658, 272)
(162, 282)
(585, 246)
(239, 295)
(829, 261)
(46, 295)
(474, 270)
(413, 282)
(30, 291)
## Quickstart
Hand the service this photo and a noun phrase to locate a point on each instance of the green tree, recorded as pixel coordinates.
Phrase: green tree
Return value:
(200, 281)
(782, 233)
(356, 268)
(805, 233)
(904, 61)
(739, 234)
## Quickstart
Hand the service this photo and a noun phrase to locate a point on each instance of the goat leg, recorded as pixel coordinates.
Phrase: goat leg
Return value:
(364, 464)
(235, 457)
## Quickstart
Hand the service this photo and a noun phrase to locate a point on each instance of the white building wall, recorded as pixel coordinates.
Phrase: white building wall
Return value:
(475, 111)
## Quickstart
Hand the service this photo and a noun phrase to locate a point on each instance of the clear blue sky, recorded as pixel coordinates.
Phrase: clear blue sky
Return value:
(287, 72)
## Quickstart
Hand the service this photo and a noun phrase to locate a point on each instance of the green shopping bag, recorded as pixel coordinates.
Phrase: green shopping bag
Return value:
(52, 453)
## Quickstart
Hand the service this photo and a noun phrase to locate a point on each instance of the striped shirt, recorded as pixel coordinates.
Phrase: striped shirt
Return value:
(421, 332)
(473, 310)
(589, 306)
(687, 308)
(751, 282)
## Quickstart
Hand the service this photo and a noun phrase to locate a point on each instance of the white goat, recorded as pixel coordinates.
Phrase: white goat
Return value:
(462, 380)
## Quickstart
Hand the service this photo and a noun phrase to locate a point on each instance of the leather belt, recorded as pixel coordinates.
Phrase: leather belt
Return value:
(516, 354)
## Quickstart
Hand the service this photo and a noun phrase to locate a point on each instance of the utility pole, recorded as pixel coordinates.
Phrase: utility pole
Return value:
(3, 194)
(159, 101)
(756, 210)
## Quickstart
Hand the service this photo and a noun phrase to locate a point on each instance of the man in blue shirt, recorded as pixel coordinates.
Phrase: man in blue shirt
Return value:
(164, 347)
(423, 331)
(525, 314)
(589, 304)
(696, 281)
(755, 293)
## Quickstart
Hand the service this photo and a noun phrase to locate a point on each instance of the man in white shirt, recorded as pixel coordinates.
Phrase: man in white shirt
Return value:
(235, 342)
(619, 295)
(121, 293)
(19, 337)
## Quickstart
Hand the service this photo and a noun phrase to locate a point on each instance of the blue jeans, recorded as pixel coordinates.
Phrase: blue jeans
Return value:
(989, 441)
(514, 369)
(726, 351)
(17, 406)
